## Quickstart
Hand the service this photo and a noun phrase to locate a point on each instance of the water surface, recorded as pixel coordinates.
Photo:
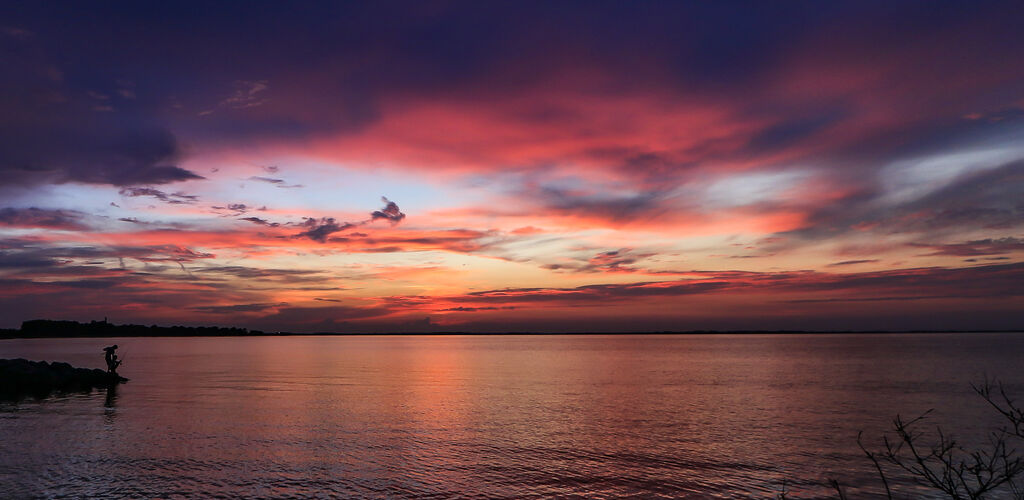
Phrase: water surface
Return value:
(489, 416)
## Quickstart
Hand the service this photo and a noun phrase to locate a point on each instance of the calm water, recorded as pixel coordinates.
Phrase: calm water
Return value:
(497, 416)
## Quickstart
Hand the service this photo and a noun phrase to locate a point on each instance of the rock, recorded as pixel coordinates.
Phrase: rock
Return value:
(20, 378)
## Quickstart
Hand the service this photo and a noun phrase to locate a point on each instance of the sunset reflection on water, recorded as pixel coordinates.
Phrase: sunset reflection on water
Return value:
(498, 416)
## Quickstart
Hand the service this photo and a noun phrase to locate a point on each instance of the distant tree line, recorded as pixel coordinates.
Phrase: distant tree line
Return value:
(46, 328)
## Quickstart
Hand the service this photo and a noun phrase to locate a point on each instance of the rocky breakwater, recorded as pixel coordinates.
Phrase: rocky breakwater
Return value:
(21, 378)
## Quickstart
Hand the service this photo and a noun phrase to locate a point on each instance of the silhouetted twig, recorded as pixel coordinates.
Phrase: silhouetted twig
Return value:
(834, 483)
(783, 491)
(871, 456)
(945, 465)
(1005, 406)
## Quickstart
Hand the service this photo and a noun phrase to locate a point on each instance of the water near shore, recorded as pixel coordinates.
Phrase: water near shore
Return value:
(496, 416)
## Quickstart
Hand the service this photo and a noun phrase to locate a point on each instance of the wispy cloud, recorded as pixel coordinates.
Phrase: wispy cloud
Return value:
(853, 262)
(974, 248)
(247, 94)
(177, 198)
(42, 218)
(276, 182)
(321, 229)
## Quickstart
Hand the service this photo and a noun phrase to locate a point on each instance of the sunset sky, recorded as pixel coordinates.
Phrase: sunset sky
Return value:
(513, 166)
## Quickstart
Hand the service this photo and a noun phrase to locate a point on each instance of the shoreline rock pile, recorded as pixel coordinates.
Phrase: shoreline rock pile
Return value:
(20, 378)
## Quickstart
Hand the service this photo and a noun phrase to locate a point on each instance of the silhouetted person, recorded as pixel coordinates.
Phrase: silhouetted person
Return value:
(111, 359)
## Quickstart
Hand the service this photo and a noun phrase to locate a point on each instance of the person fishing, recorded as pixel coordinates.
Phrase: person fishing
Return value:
(111, 358)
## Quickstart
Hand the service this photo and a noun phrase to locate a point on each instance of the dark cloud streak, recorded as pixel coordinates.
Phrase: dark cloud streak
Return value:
(977, 247)
(170, 198)
(70, 220)
(320, 229)
(390, 212)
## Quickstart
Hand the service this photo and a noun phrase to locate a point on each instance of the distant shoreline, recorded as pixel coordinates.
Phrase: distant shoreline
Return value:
(35, 329)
